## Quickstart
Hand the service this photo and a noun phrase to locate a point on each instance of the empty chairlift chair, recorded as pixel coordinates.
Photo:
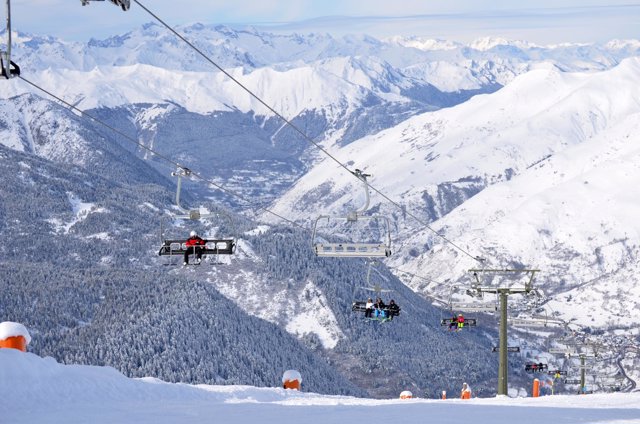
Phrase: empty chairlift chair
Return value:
(355, 221)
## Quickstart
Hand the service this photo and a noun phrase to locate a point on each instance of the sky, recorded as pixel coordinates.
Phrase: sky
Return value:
(541, 21)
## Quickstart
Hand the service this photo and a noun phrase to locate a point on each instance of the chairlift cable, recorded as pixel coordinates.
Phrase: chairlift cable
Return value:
(167, 159)
(299, 131)
(157, 154)
(429, 280)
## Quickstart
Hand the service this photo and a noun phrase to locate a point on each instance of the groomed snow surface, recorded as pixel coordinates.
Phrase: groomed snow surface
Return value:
(39, 390)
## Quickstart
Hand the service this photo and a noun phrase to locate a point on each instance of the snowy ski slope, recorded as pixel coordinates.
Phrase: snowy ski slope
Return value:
(40, 390)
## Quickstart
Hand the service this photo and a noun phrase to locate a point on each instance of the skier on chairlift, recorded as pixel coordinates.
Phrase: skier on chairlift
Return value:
(194, 246)
(369, 308)
(453, 324)
(393, 309)
(460, 321)
(379, 309)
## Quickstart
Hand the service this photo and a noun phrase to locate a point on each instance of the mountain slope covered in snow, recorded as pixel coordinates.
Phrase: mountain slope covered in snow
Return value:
(541, 173)
(93, 290)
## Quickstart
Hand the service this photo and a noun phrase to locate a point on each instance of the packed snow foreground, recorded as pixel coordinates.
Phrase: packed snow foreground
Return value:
(40, 390)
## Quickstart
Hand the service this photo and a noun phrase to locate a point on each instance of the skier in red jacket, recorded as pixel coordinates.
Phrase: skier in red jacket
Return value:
(194, 246)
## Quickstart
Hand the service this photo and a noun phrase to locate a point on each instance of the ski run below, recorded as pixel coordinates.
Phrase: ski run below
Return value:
(40, 390)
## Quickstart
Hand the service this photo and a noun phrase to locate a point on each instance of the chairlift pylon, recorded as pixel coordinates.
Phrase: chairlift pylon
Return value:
(456, 308)
(354, 248)
(8, 68)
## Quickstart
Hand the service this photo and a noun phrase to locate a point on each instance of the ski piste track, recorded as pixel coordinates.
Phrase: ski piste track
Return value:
(40, 390)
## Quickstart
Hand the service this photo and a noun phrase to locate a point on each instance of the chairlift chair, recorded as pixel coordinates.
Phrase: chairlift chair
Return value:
(212, 246)
(358, 248)
(454, 308)
(536, 321)
(359, 306)
(527, 322)
(510, 349)
(475, 307)
(387, 312)
(468, 322)
(567, 351)
(534, 367)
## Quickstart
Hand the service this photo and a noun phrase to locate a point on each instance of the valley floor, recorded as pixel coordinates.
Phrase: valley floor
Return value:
(39, 390)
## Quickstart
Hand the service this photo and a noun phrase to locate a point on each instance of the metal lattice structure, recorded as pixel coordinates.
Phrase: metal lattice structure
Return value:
(503, 292)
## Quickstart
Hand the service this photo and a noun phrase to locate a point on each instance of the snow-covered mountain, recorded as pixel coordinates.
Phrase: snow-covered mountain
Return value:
(336, 90)
(92, 227)
(541, 173)
(491, 143)
(449, 66)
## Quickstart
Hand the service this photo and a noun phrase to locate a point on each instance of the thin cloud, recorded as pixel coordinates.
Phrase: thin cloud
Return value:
(543, 21)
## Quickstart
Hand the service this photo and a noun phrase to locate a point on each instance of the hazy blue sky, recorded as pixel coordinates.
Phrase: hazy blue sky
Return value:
(542, 21)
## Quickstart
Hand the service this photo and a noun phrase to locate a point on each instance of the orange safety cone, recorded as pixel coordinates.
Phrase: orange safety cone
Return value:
(291, 379)
(14, 336)
(536, 388)
(406, 395)
(17, 342)
(466, 391)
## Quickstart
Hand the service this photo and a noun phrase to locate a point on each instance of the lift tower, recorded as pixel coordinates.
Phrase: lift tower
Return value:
(502, 291)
